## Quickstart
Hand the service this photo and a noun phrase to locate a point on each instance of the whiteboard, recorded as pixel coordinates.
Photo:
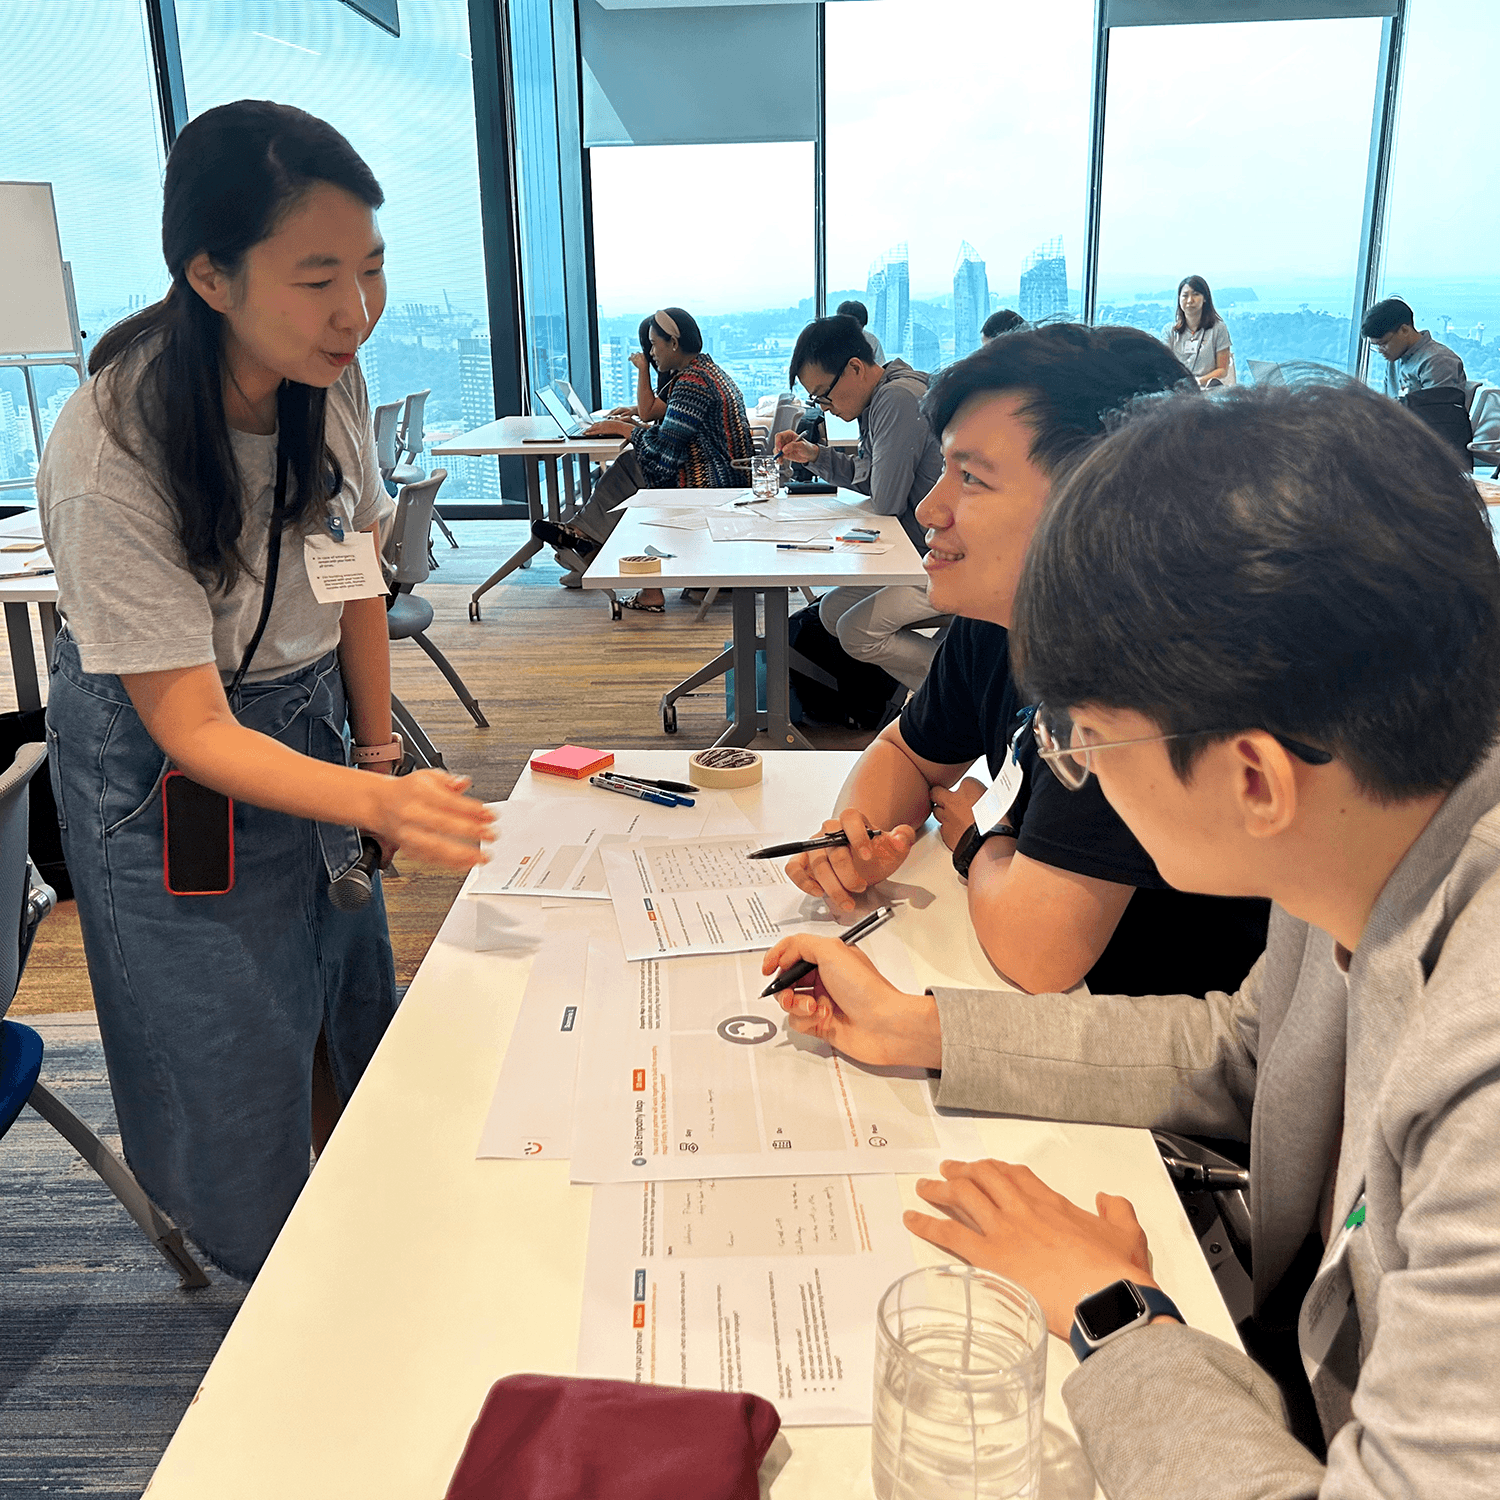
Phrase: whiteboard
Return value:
(33, 297)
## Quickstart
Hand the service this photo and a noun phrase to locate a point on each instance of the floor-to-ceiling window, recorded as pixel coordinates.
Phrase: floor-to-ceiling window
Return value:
(1239, 153)
(77, 110)
(407, 105)
(722, 231)
(957, 146)
(1441, 248)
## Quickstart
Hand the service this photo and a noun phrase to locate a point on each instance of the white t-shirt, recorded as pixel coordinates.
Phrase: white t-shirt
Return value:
(131, 601)
(1199, 351)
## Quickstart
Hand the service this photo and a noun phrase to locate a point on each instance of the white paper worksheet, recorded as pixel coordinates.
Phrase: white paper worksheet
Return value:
(684, 1069)
(767, 1285)
(531, 1114)
(554, 850)
(678, 897)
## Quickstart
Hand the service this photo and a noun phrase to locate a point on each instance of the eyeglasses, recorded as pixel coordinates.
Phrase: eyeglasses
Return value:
(822, 402)
(1061, 743)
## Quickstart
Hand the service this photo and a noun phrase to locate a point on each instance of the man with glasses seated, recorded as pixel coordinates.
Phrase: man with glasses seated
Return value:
(1281, 664)
(1059, 890)
(896, 463)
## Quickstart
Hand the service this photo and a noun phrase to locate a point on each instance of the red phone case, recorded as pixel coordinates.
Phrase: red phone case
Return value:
(166, 843)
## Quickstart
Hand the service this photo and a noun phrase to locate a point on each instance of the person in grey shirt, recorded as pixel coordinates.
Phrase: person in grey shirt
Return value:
(898, 460)
(1200, 337)
(861, 315)
(1414, 361)
(1282, 662)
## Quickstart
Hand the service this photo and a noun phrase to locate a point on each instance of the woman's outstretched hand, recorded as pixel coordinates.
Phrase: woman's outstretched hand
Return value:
(429, 816)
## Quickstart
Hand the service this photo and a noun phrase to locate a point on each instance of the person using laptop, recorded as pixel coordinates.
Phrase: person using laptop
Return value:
(1059, 890)
(1281, 665)
(702, 442)
(1422, 374)
(896, 463)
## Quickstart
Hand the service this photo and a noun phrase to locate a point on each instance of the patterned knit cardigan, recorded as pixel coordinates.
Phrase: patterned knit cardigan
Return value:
(704, 430)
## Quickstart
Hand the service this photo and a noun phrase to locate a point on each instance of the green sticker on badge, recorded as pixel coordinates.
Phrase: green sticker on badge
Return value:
(1356, 1217)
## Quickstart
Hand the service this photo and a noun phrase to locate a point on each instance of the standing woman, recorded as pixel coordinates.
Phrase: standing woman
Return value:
(233, 410)
(1199, 337)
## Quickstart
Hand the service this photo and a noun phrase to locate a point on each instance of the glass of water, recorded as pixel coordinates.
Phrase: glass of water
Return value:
(960, 1383)
(765, 476)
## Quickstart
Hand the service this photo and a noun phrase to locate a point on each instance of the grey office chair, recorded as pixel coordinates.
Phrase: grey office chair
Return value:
(409, 442)
(408, 615)
(387, 444)
(24, 901)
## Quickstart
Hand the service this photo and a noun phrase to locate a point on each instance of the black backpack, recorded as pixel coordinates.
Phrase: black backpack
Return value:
(849, 693)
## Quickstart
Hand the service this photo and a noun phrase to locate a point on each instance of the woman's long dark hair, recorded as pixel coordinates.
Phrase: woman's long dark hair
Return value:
(1208, 317)
(231, 178)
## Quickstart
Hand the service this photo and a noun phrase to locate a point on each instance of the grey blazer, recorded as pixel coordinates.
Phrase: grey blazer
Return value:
(1392, 1071)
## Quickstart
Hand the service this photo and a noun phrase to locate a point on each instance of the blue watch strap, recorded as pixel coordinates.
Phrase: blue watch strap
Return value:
(1158, 1305)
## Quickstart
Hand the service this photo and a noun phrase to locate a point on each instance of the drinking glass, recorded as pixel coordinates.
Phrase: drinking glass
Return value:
(960, 1383)
(765, 476)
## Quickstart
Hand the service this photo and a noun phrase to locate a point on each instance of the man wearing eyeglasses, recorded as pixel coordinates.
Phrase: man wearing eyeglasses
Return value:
(1059, 890)
(896, 463)
(1281, 662)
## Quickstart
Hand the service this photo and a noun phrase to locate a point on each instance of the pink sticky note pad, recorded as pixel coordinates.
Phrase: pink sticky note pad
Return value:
(572, 760)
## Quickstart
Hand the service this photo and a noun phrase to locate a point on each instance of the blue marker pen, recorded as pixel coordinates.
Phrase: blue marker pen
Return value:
(660, 798)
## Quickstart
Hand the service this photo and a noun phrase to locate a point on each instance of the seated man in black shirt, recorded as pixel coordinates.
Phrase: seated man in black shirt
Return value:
(1059, 890)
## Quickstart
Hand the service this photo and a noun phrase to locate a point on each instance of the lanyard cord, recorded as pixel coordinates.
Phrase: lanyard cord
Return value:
(273, 566)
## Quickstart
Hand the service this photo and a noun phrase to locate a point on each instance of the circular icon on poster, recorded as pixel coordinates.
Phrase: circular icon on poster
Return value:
(639, 1161)
(748, 1031)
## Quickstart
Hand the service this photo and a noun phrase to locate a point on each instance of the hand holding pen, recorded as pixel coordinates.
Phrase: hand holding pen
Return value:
(803, 967)
(854, 859)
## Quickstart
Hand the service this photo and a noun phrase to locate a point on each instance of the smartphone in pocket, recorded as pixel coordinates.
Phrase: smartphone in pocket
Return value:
(197, 838)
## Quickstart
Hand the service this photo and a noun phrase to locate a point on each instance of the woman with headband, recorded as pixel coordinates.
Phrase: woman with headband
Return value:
(696, 444)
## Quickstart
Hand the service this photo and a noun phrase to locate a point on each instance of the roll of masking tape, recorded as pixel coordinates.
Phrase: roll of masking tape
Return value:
(640, 564)
(724, 767)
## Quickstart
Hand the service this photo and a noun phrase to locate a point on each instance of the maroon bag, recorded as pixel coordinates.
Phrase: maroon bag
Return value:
(550, 1437)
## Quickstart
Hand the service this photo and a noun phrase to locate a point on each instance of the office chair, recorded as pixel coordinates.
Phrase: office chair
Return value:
(387, 445)
(409, 442)
(27, 900)
(408, 616)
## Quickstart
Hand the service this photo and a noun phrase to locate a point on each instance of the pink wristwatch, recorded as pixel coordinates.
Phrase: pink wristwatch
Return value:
(374, 755)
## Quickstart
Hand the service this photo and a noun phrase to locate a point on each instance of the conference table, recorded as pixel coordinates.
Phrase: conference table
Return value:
(17, 594)
(551, 462)
(411, 1275)
(752, 569)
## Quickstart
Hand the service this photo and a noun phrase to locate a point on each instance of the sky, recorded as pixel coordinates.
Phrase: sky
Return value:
(1237, 151)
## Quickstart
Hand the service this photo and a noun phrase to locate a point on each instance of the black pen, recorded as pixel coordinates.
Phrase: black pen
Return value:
(682, 788)
(838, 840)
(640, 784)
(801, 969)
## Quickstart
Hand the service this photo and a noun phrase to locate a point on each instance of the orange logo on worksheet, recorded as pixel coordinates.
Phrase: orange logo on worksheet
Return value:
(638, 1320)
(638, 1081)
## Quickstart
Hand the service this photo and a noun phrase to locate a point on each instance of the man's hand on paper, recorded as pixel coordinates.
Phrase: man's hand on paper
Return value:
(848, 1004)
(839, 875)
(795, 449)
(954, 809)
(1004, 1218)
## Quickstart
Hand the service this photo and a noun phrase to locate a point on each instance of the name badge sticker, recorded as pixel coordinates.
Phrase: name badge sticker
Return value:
(1330, 1299)
(1001, 797)
(340, 569)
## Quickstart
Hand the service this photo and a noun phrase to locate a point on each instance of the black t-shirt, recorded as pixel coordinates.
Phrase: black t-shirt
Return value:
(1167, 942)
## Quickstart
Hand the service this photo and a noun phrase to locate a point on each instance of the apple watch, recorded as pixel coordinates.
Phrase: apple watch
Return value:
(972, 839)
(394, 749)
(1116, 1309)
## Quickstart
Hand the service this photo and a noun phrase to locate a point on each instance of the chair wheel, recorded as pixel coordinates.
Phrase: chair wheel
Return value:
(473, 609)
(615, 612)
(669, 717)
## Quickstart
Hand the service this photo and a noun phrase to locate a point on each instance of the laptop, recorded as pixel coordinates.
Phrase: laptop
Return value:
(572, 426)
(579, 410)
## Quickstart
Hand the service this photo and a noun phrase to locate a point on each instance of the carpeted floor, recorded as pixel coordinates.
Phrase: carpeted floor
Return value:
(100, 1352)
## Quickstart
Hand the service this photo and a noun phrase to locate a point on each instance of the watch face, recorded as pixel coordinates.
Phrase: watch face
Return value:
(1108, 1311)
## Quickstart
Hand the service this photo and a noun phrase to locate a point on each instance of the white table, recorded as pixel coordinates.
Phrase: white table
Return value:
(411, 1276)
(751, 569)
(16, 594)
(539, 440)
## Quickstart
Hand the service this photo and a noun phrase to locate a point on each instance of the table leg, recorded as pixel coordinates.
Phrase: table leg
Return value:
(571, 508)
(745, 724)
(784, 734)
(47, 613)
(554, 509)
(523, 554)
(22, 659)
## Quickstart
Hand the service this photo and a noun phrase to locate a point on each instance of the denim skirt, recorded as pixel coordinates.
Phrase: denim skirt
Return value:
(210, 1006)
